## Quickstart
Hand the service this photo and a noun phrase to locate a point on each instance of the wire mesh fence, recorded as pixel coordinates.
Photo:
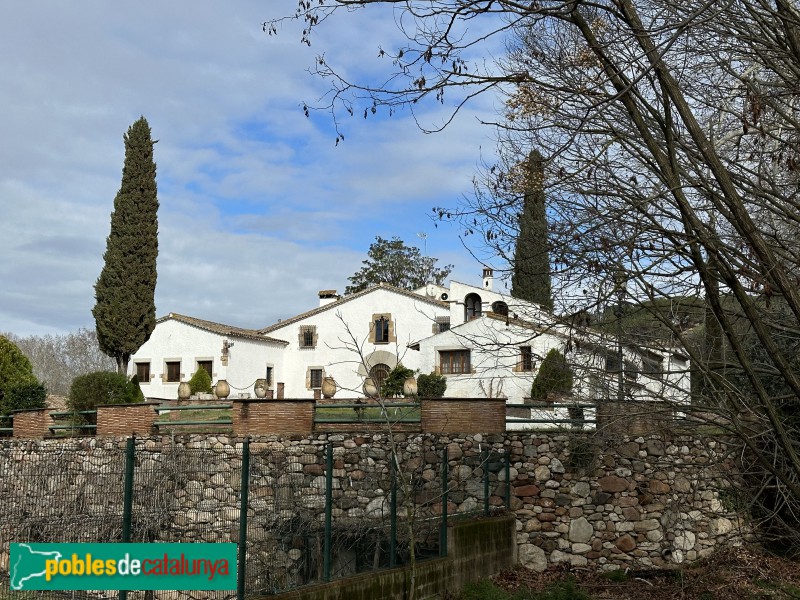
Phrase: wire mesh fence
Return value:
(306, 512)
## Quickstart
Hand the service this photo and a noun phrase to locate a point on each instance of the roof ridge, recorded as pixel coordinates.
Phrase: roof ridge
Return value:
(348, 298)
(219, 328)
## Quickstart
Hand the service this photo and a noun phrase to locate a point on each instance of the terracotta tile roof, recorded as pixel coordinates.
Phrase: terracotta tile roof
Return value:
(221, 329)
(348, 298)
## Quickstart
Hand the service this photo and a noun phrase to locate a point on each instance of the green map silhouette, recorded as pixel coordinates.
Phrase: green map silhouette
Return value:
(27, 563)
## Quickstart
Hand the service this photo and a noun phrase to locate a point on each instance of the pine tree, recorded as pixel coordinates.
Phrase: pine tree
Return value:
(392, 262)
(531, 278)
(125, 311)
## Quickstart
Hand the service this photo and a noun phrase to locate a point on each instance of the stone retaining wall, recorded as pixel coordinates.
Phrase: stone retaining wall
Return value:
(577, 499)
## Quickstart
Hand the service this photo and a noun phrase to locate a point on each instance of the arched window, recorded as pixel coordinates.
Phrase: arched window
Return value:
(379, 373)
(500, 307)
(472, 307)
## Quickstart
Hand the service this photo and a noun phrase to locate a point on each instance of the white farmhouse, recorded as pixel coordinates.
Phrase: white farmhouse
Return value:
(486, 343)
(349, 338)
(180, 345)
(346, 338)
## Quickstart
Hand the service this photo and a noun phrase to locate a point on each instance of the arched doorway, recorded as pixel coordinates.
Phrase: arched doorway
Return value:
(379, 373)
(472, 307)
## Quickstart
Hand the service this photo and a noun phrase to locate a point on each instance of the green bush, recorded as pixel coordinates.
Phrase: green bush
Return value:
(15, 368)
(22, 396)
(103, 387)
(200, 382)
(431, 386)
(393, 384)
(137, 389)
(555, 375)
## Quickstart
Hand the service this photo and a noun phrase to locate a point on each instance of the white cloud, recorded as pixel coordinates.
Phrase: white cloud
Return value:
(259, 209)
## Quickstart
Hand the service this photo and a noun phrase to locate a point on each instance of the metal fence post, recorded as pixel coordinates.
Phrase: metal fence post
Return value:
(443, 523)
(508, 480)
(127, 498)
(393, 519)
(485, 462)
(326, 564)
(243, 502)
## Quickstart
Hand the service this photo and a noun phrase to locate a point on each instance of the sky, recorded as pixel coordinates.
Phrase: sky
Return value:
(259, 209)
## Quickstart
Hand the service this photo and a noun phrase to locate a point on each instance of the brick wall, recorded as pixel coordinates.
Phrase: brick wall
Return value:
(266, 415)
(452, 415)
(32, 423)
(126, 419)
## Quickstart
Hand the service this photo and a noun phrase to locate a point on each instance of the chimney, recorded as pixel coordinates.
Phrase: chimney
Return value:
(327, 296)
(488, 278)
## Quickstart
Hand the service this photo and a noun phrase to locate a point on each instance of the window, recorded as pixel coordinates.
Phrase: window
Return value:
(143, 372)
(500, 308)
(631, 371)
(382, 330)
(454, 362)
(207, 365)
(612, 363)
(316, 378)
(653, 366)
(308, 336)
(173, 371)
(379, 373)
(442, 325)
(526, 358)
(472, 307)
(268, 376)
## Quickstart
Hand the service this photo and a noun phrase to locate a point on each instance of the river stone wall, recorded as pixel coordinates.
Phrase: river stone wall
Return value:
(579, 499)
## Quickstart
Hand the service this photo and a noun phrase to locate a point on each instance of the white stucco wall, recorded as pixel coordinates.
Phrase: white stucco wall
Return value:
(495, 358)
(459, 291)
(342, 354)
(173, 340)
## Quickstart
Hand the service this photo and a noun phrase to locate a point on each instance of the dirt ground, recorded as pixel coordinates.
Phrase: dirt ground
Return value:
(734, 574)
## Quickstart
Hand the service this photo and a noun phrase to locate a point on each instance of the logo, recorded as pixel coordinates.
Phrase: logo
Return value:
(123, 567)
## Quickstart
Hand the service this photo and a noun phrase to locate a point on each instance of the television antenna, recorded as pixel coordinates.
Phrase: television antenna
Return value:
(424, 237)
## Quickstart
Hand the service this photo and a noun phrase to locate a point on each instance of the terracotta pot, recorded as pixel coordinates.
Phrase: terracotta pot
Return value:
(328, 387)
(222, 389)
(184, 390)
(260, 388)
(410, 387)
(370, 389)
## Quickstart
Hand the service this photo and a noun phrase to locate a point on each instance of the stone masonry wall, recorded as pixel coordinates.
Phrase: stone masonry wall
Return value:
(577, 499)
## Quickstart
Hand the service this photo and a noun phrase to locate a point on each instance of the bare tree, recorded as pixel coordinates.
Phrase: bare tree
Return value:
(670, 134)
(58, 359)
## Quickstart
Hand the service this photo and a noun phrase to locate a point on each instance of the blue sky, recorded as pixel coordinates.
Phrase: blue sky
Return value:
(259, 208)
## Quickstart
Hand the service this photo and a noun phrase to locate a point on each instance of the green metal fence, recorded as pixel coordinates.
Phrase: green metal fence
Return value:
(305, 513)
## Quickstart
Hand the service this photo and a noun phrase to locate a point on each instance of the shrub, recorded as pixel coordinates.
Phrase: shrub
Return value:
(393, 384)
(137, 389)
(431, 386)
(103, 387)
(19, 388)
(22, 396)
(555, 375)
(200, 382)
(15, 368)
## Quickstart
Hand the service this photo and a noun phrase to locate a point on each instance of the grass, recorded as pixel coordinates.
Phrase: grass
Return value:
(196, 415)
(368, 413)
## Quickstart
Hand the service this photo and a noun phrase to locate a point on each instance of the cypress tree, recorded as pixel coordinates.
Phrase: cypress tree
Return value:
(125, 312)
(531, 278)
